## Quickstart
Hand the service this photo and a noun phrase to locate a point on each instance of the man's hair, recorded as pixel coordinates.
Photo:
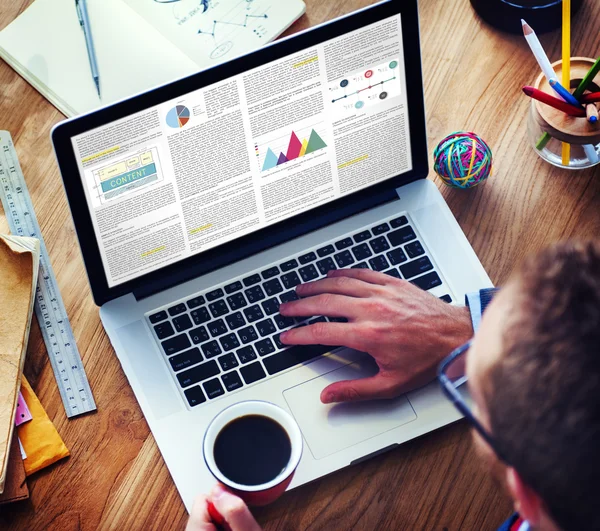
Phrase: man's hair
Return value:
(544, 398)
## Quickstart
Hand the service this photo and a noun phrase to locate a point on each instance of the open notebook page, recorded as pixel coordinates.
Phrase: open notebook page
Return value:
(46, 45)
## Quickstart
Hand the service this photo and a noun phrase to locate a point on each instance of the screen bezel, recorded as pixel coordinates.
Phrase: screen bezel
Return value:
(279, 232)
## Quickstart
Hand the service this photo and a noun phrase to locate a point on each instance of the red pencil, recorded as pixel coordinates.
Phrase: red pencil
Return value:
(544, 97)
(590, 98)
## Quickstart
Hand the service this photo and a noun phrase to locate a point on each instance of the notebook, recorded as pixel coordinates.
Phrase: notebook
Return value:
(19, 263)
(139, 43)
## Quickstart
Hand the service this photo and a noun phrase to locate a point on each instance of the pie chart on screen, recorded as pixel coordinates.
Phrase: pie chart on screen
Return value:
(178, 116)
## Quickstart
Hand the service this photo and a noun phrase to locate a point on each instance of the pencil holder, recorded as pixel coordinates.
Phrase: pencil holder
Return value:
(548, 128)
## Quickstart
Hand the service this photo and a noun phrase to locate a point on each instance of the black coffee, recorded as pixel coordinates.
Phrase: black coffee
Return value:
(252, 450)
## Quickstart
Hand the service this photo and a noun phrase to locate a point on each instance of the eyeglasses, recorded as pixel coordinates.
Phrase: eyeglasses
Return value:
(453, 379)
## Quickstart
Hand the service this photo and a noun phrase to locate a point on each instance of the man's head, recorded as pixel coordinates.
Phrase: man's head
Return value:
(534, 373)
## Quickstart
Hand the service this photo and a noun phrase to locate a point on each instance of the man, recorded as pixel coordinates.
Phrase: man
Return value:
(533, 373)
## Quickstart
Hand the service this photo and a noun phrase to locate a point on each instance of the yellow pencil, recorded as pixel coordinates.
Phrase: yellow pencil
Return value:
(566, 65)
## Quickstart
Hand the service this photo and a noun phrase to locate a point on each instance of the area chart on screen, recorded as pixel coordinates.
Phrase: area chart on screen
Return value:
(296, 148)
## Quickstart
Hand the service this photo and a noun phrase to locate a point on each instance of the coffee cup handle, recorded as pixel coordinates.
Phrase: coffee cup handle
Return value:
(217, 517)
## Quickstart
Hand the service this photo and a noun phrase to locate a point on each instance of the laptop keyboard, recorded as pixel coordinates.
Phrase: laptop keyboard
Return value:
(227, 338)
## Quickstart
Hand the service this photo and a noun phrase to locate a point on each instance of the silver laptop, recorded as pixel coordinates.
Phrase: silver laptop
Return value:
(201, 204)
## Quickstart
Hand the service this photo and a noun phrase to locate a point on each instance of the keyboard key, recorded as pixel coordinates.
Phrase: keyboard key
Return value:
(416, 267)
(308, 273)
(400, 236)
(255, 294)
(306, 258)
(214, 294)
(324, 251)
(344, 259)
(294, 356)
(265, 346)
(290, 280)
(159, 316)
(232, 381)
(428, 281)
(163, 330)
(327, 264)
(362, 251)
(233, 287)
(271, 306)
(213, 388)
(343, 244)
(217, 327)
(195, 302)
(228, 361)
(277, 340)
(229, 342)
(380, 229)
(270, 273)
(254, 313)
(379, 263)
(362, 236)
(246, 354)
(253, 372)
(379, 244)
(176, 344)
(183, 322)
(211, 349)
(446, 298)
(218, 308)
(198, 373)
(251, 280)
(289, 265)
(236, 301)
(266, 327)
(393, 273)
(283, 322)
(397, 256)
(248, 334)
(194, 396)
(200, 315)
(289, 296)
(414, 249)
(398, 222)
(199, 335)
(235, 320)
(185, 359)
(320, 319)
(177, 309)
(360, 265)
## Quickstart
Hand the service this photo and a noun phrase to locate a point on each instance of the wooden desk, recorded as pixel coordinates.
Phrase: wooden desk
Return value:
(116, 479)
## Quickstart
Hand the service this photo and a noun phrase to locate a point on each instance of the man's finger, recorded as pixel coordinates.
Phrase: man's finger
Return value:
(324, 304)
(234, 510)
(332, 334)
(340, 285)
(376, 386)
(199, 518)
(366, 275)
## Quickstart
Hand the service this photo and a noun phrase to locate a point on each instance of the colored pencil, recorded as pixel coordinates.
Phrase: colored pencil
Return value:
(591, 154)
(564, 93)
(566, 66)
(546, 98)
(538, 51)
(592, 97)
(589, 77)
(591, 112)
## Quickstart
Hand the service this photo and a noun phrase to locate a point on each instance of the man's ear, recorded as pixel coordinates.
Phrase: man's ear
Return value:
(527, 502)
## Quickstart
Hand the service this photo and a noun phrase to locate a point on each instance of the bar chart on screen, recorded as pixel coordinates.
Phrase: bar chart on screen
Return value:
(295, 144)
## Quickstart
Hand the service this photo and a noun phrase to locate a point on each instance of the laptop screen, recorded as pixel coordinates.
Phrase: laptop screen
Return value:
(219, 163)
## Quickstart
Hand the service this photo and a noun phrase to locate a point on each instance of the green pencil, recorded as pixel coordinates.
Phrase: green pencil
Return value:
(589, 77)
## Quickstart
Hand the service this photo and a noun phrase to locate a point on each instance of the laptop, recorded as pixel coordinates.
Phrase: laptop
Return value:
(201, 204)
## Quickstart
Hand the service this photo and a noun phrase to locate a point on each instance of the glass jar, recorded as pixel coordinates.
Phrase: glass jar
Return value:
(548, 128)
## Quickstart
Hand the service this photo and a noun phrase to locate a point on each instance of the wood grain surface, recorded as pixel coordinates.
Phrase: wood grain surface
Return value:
(115, 477)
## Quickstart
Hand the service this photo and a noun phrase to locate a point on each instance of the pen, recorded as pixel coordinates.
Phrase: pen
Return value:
(539, 95)
(84, 20)
(564, 93)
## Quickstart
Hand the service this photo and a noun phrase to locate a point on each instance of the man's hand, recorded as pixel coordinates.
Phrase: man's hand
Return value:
(235, 512)
(407, 330)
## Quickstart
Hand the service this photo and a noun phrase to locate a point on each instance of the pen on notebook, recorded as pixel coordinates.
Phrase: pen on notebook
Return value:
(546, 98)
(84, 20)
(564, 93)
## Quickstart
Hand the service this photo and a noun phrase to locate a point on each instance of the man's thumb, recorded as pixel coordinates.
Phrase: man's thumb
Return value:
(362, 389)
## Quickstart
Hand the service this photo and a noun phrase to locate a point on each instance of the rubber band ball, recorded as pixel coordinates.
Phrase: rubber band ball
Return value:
(463, 160)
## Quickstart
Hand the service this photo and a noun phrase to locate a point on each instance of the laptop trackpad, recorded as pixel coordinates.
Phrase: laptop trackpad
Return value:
(329, 428)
